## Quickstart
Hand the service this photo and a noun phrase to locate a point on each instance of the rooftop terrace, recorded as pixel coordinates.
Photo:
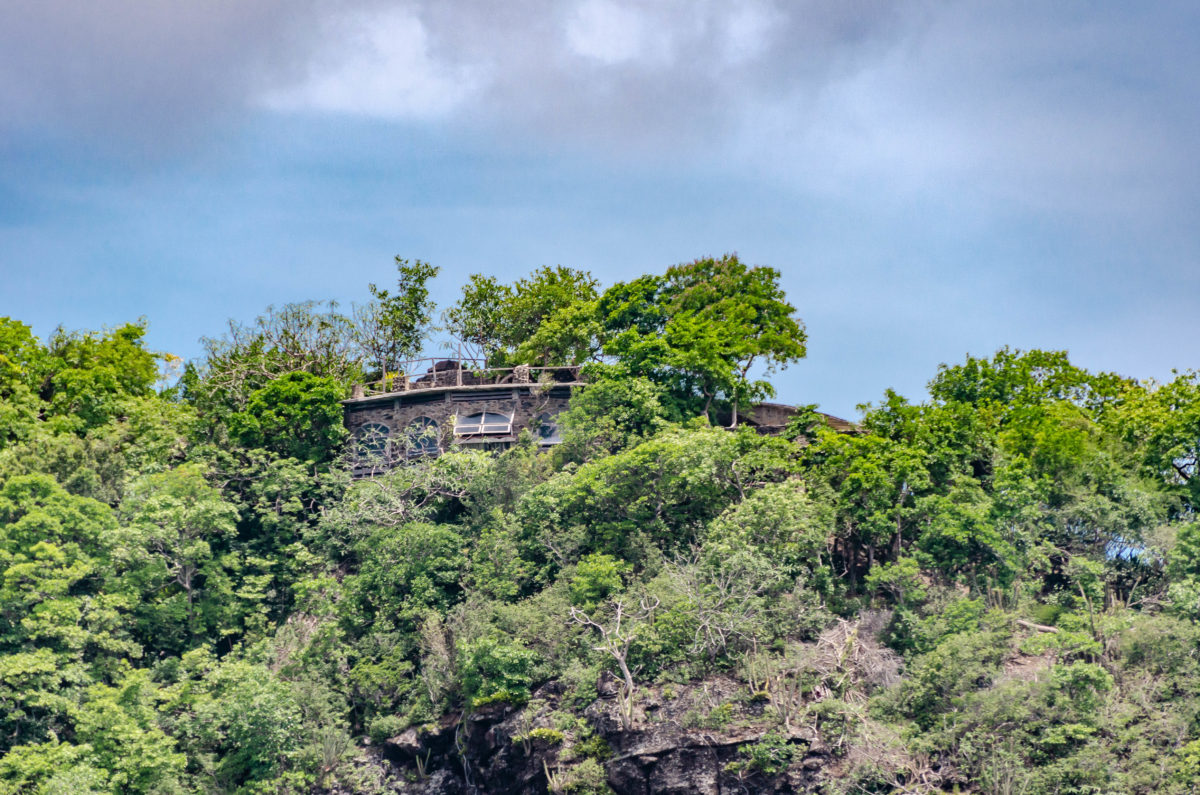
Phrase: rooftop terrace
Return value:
(464, 374)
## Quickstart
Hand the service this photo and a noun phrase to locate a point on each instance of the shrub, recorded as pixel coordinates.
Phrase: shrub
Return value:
(495, 672)
(385, 727)
(770, 755)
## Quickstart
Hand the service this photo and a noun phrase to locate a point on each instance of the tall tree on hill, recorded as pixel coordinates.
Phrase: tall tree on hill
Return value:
(701, 328)
(394, 326)
(547, 318)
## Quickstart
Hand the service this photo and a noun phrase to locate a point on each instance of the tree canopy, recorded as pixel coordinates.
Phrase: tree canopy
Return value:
(995, 588)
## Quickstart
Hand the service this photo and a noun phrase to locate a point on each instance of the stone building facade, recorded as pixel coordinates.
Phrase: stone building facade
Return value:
(431, 415)
(452, 406)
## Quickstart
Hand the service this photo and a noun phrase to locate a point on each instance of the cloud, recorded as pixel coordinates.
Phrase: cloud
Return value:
(608, 32)
(377, 64)
(1057, 108)
(623, 73)
(638, 77)
(143, 72)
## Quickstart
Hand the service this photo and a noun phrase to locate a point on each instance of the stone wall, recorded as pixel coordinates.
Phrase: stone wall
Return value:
(399, 410)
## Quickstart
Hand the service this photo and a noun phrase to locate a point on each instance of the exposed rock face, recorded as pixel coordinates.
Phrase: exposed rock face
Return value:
(496, 751)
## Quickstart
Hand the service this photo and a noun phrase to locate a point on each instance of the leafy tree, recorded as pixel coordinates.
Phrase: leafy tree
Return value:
(544, 319)
(22, 361)
(89, 374)
(407, 571)
(298, 415)
(701, 327)
(1013, 379)
(394, 326)
(170, 543)
(785, 522)
(1164, 422)
(616, 411)
(657, 495)
(308, 337)
(493, 671)
(241, 725)
(119, 726)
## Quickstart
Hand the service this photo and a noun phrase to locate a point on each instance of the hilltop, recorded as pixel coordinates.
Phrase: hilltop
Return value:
(995, 589)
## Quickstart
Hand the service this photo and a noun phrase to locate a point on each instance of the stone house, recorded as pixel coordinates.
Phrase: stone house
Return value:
(454, 405)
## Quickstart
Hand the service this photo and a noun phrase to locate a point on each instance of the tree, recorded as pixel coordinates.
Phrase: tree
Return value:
(616, 635)
(406, 572)
(394, 326)
(307, 337)
(56, 625)
(169, 543)
(1014, 379)
(546, 318)
(616, 411)
(22, 359)
(298, 415)
(702, 327)
(87, 376)
(1163, 421)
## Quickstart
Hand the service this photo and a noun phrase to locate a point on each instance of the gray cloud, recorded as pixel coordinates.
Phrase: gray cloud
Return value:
(627, 74)
(1082, 112)
(663, 75)
(124, 72)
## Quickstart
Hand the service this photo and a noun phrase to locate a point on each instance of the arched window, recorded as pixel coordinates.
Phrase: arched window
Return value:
(421, 436)
(487, 423)
(547, 430)
(371, 442)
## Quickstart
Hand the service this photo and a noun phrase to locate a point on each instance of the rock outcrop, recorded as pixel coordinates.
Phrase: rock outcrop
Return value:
(668, 750)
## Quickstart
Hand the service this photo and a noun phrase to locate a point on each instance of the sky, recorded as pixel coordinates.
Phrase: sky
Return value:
(932, 179)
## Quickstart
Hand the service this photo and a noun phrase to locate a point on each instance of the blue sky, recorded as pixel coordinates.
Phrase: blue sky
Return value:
(935, 179)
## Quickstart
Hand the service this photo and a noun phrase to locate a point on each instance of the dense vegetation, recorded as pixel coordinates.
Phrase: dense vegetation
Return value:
(194, 597)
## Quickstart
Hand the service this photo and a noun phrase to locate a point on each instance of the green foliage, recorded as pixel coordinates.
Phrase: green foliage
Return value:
(616, 411)
(770, 755)
(89, 376)
(586, 778)
(597, 576)
(169, 552)
(544, 319)
(661, 492)
(997, 589)
(493, 671)
(700, 328)
(306, 337)
(394, 325)
(405, 572)
(298, 415)
(939, 680)
(385, 727)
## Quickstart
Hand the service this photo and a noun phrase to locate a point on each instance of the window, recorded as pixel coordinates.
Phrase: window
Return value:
(546, 428)
(421, 437)
(371, 442)
(487, 422)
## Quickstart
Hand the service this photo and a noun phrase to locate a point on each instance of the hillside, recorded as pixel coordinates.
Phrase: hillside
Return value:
(995, 590)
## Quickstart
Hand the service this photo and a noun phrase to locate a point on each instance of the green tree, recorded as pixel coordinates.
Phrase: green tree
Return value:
(22, 360)
(394, 326)
(308, 337)
(616, 411)
(545, 319)
(174, 529)
(406, 572)
(298, 415)
(702, 327)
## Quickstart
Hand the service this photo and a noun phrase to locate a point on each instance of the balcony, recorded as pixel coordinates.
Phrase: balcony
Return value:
(465, 374)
